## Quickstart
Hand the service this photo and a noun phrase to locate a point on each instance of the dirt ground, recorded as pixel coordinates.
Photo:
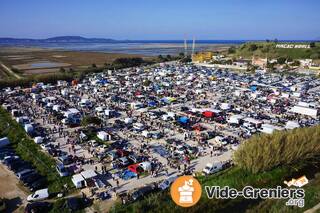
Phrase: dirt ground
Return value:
(11, 57)
(21, 58)
(12, 191)
(3, 74)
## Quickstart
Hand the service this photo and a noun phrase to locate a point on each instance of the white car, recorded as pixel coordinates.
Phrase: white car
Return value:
(41, 194)
(45, 146)
(166, 183)
(180, 150)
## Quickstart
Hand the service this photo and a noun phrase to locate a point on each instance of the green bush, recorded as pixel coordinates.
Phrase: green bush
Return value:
(87, 120)
(265, 152)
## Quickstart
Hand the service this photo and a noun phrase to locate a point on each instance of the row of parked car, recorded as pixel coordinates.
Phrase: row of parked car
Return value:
(24, 171)
(140, 193)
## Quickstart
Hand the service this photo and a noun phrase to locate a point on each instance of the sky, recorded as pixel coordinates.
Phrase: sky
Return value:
(162, 19)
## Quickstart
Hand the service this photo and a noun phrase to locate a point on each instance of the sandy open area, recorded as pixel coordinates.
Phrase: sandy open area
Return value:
(10, 189)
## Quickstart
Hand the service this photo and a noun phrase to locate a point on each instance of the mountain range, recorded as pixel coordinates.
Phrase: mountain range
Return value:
(59, 39)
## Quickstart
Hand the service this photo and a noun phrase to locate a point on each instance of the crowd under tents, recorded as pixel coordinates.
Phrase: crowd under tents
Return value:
(218, 121)
(84, 179)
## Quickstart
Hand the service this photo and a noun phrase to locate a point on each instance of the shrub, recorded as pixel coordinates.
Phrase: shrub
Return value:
(265, 152)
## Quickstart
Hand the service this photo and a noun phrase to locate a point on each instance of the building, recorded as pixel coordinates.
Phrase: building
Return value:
(312, 112)
(202, 57)
(260, 62)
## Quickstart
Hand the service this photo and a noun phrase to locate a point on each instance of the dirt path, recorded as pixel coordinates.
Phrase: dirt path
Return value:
(10, 71)
(314, 209)
(10, 189)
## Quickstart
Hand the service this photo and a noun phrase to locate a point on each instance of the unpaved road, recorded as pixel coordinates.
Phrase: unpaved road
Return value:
(10, 189)
(9, 71)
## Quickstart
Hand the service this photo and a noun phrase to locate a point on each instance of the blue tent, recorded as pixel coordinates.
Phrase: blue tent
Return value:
(165, 100)
(183, 120)
(127, 174)
(152, 104)
(253, 88)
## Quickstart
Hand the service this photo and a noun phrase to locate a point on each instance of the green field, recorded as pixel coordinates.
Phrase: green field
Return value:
(269, 49)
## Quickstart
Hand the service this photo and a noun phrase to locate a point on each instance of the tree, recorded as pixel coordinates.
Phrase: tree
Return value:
(62, 70)
(160, 57)
(147, 83)
(181, 55)
(253, 47)
(169, 57)
(91, 120)
(270, 66)
(127, 62)
(312, 44)
(94, 66)
(231, 50)
(296, 63)
(186, 59)
(281, 60)
(315, 56)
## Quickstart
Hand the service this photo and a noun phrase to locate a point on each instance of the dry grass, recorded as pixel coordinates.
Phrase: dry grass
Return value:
(265, 152)
(22, 57)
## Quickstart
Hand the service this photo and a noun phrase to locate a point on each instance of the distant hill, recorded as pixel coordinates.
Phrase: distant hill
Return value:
(78, 39)
(269, 49)
(59, 39)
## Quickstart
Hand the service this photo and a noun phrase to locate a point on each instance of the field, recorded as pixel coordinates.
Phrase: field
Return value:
(3, 74)
(269, 49)
(30, 61)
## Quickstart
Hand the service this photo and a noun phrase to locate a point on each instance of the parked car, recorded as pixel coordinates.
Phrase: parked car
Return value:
(77, 203)
(212, 168)
(38, 207)
(30, 178)
(166, 183)
(124, 161)
(62, 170)
(65, 159)
(112, 155)
(161, 151)
(40, 183)
(140, 193)
(136, 159)
(2, 205)
(25, 173)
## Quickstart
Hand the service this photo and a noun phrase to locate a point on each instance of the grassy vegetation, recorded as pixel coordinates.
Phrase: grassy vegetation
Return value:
(30, 151)
(238, 177)
(285, 148)
(268, 49)
(28, 81)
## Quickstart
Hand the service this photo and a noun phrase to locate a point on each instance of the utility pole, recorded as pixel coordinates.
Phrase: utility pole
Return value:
(185, 48)
(193, 46)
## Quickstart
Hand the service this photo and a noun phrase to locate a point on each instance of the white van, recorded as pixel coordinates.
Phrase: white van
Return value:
(138, 126)
(212, 168)
(41, 194)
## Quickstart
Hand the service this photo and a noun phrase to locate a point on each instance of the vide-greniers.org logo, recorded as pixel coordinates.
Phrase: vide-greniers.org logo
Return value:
(295, 195)
(186, 192)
